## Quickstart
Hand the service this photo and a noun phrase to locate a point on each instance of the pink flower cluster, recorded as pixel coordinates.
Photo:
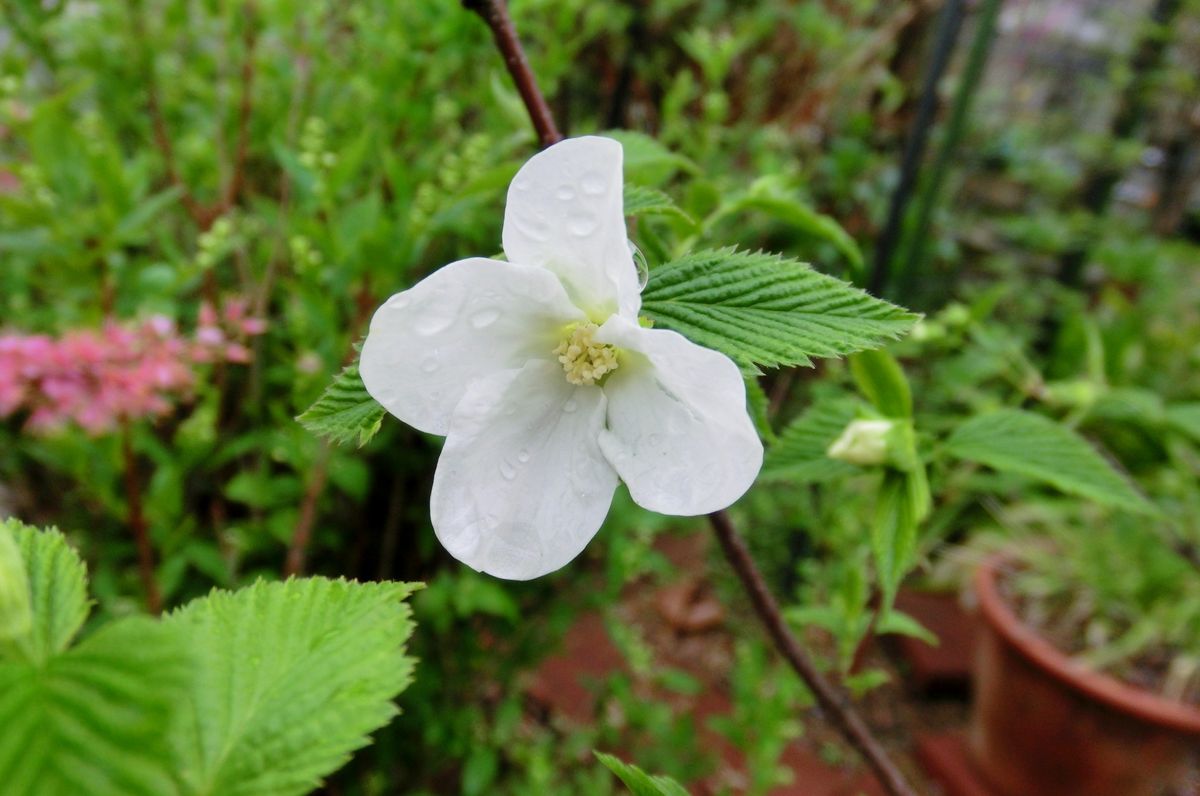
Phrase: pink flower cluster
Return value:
(97, 379)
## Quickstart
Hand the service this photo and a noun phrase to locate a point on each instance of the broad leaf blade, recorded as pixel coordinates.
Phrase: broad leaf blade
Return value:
(1031, 445)
(766, 310)
(880, 378)
(293, 677)
(94, 719)
(1185, 418)
(639, 782)
(345, 412)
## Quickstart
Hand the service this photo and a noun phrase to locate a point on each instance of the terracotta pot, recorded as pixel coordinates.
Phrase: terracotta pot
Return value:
(1045, 725)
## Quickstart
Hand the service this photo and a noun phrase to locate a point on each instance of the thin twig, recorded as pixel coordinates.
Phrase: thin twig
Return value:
(302, 535)
(832, 701)
(237, 180)
(137, 522)
(495, 14)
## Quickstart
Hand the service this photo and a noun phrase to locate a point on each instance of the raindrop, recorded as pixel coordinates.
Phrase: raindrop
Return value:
(582, 225)
(399, 301)
(507, 470)
(565, 192)
(570, 406)
(485, 318)
(523, 456)
(430, 364)
(592, 183)
(643, 267)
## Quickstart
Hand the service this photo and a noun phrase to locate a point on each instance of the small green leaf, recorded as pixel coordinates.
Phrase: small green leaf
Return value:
(643, 201)
(901, 624)
(800, 453)
(768, 198)
(1015, 441)
(292, 678)
(759, 406)
(648, 162)
(57, 591)
(1185, 418)
(766, 310)
(16, 615)
(639, 782)
(345, 412)
(894, 533)
(880, 378)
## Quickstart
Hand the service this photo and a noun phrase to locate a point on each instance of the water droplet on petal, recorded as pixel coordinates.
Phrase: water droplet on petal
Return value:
(643, 267)
(565, 192)
(507, 471)
(570, 406)
(485, 318)
(399, 301)
(582, 224)
(523, 456)
(592, 183)
(430, 364)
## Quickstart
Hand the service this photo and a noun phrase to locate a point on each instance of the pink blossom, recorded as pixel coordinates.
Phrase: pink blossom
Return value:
(96, 379)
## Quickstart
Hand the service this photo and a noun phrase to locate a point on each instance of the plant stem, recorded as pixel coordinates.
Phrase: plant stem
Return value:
(137, 522)
(495, 14)
(914, 148)
(831, 700)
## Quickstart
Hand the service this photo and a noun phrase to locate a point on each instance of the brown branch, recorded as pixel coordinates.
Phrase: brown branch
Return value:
(835, 704)
(158, 125)
(237, 180)
(302, 535)
(137, 522)
(495, 14)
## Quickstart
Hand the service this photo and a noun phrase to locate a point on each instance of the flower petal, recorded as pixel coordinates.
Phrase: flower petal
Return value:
(521, 486)
(679, 433)
(565, 212)
(464, 321)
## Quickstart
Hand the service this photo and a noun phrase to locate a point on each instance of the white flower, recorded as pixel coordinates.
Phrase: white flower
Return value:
(547, 388)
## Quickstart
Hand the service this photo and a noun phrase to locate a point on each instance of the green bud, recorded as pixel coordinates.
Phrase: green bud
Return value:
(16, 614)
(864, 442)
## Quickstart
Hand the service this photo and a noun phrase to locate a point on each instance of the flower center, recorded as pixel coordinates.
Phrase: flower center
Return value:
(583, 359)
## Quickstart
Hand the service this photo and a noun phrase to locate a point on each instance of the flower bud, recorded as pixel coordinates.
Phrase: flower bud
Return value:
(864, 442)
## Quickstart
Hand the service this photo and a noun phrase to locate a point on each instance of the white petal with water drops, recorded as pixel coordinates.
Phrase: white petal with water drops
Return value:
(521, 486)
(565, 212)
(464, 321)
(678, 431)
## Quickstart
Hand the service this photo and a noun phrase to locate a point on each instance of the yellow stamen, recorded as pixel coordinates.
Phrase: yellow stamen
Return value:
(583, 359)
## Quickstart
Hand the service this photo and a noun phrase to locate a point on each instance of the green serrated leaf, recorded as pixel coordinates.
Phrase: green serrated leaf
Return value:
(800, 456)
(759, 406)
(57, 591)
(345, 412)
(1015, 441)
(639, 782)
(767, 310)
(292, 678)
(643, 201)
(92, 718)
(881, 380)
(16, 614)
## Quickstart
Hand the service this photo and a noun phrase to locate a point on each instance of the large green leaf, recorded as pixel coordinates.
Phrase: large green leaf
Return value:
(800, 453)
(639, 782)
(16, 613)
(1027, 444)
(345, 412)
(767, 310)
(91, 719)
(292, 678)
